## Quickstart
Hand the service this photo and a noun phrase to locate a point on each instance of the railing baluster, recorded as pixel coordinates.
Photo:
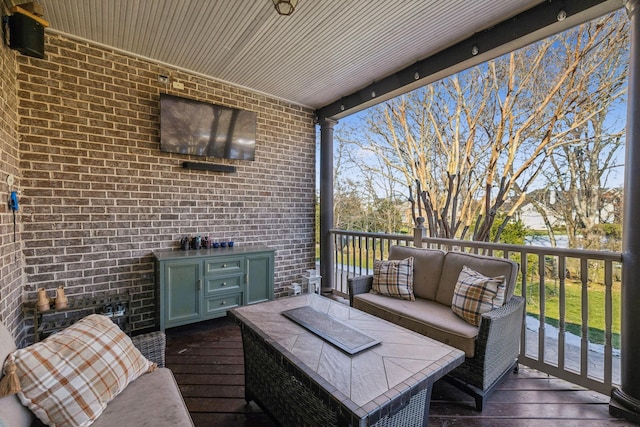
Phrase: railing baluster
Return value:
(375, 244)
(542, 294)
(366, 242)
(584, 342)
(344, 269)
(525, 294)
(608, 320)
(348, 266)
(359, 256)
(562, 272)
(353, 254)
(338, 257)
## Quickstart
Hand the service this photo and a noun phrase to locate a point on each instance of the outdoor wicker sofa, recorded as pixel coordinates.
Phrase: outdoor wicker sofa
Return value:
(491, 349)
(153, 399)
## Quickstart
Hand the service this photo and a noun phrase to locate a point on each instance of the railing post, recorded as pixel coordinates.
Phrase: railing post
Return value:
(625, 401)
(419, 232)
(327, 262)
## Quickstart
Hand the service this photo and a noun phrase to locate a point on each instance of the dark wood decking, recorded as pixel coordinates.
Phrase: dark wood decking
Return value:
(207, 361)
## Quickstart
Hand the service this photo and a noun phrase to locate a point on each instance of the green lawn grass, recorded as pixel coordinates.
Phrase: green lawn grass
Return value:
(573, 308)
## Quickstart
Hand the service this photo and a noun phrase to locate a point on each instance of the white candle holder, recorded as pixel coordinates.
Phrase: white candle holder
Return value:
(313, 280)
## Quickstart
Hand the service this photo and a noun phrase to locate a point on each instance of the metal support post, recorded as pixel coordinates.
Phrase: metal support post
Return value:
(625, 401)
(326, 205)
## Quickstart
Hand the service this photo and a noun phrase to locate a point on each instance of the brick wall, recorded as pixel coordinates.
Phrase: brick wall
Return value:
(11, 260)
(99, 196)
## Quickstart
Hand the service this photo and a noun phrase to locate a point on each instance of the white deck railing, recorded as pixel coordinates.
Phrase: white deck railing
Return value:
(550, 343)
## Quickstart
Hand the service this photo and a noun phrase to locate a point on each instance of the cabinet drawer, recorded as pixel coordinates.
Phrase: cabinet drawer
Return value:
(225, 266)
(222, 303)
(219, 284)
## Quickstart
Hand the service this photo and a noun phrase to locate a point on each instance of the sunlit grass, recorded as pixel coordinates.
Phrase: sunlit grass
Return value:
(573, 308)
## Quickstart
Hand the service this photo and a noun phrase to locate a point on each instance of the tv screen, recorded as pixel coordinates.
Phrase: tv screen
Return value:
(199, 128)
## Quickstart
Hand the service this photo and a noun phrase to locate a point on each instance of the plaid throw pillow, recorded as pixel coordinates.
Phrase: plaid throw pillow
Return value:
(68, 379)
(476, 294)
(394, 278)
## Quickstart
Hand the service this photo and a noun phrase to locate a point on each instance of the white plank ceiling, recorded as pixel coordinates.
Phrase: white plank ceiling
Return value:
(325, 50)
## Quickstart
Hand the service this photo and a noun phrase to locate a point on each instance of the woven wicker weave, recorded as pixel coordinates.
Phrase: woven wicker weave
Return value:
(415, 414)
(278, 391)
(293, 399)
(497, 350)
(152, 346)
(497, 345)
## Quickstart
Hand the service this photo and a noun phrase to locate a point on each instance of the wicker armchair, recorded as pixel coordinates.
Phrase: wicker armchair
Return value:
(496, 352)
(152, 346)
(496, 347)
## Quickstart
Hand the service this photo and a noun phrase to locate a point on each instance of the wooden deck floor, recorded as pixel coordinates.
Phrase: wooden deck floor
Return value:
(207, 361)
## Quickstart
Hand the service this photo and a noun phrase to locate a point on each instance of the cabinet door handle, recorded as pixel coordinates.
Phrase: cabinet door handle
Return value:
(224, 284)
(199, 284)
(224, 265)
(224, 303)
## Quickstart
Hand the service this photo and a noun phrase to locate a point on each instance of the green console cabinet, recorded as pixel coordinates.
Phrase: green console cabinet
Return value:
(259, 265)
(196, 285)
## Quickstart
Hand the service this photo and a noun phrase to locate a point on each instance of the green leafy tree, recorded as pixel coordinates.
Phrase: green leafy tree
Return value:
(513, 231)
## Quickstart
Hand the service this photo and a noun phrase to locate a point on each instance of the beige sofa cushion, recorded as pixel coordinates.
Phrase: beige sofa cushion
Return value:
(428, 318)
(152, 400)
(427, 267)
(12, 412)
(492, 267)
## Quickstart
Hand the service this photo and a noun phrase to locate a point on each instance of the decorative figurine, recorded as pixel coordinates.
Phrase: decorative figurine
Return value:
(43, 300)
(61, 298)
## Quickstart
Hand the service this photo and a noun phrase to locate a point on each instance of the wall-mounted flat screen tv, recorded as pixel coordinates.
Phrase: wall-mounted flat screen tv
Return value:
(199, 128)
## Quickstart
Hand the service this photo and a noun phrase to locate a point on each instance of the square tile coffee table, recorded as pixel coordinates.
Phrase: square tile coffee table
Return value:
(345, 367)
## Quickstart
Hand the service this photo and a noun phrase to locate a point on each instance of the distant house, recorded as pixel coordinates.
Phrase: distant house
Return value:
(531, 217)
(610, 209)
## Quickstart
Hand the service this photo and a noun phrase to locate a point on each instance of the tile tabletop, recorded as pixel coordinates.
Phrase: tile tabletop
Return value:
(384, 372)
